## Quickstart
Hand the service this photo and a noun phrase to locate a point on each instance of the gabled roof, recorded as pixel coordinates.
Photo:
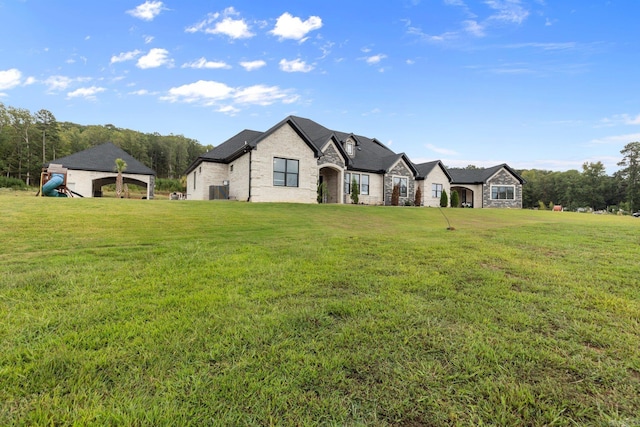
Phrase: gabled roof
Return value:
(480, 176)
(102, 158)
(424, 169)
(371, 156)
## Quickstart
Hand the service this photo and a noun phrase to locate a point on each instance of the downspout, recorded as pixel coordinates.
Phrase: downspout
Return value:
(249, 198)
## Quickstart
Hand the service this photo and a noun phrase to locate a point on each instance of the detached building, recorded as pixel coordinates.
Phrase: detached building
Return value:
(89, 170)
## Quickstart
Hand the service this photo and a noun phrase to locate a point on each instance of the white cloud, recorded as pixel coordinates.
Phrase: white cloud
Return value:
(86, 92)
(154, 59)
(147, 11)
(473, 28)
(203, 63)
(125, 56)
(140, 92)
(148, 39)
(375, 59)
(263, 95)
(233, 28)
(620, 119)
(290, 27)
(10, 78)
(57, 83)
(252, 65)
(295, 66)
(440, 150)
(210, 93)
(206, 92)
(617, 139)
(508, 11)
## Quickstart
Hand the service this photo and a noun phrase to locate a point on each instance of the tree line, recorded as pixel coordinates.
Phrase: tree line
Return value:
(590, 187)
(27, 140)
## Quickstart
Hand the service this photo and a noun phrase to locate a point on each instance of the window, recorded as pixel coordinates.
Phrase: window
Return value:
(364, 185)
(436, 191)
(361, 180)
(403, 183)
(503, 192)
(194, 179)
(350, 148)
(285, 172)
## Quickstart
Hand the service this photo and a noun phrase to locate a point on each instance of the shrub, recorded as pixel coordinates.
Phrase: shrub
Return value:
(455, 201)
(418, 197)
(444, 201)
(323, 192)
(551, 206)
(355, 190)
(541, 205)
(395, 195)
(170, 185)
(14, 183)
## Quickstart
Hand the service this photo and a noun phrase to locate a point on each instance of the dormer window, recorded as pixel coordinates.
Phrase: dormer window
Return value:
(350, 148)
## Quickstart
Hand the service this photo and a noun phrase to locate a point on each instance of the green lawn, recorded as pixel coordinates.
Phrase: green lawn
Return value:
(158, 312)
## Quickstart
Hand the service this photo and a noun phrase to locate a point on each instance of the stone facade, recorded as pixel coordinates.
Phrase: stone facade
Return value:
(502, 178)
(399, 170)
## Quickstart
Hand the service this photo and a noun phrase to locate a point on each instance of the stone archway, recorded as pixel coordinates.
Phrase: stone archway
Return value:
(331, 178)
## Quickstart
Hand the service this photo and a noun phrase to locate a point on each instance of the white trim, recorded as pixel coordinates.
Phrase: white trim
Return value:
(501, 185)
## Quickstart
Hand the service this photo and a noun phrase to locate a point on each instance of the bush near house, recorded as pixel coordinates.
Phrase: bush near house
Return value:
(444, 201)
(455, 201)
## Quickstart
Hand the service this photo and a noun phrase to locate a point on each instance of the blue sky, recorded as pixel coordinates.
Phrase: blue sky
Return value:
(547, 84)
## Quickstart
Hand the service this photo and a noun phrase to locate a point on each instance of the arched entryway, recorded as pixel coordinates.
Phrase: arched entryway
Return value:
(330, 182)
(465, 196)
(97, 184)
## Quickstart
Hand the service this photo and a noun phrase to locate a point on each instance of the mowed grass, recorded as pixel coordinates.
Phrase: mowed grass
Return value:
(151, 313)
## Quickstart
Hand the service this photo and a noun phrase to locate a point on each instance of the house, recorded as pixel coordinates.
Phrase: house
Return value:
(433, 178)
(89, 170)
(299, 160)
(495, 187)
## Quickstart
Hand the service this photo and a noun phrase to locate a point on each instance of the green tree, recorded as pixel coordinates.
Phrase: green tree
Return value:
(355, 191)
(594, 180)
(444, 200)
(121, 165)
(631, 173)
(46, 123)
(455, 199)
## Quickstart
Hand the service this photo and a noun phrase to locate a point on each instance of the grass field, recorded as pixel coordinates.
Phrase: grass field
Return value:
(158, 312)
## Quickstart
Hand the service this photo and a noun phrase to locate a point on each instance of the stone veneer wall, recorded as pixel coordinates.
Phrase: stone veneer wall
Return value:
(502, 178)
(400, 169)
(332, 156)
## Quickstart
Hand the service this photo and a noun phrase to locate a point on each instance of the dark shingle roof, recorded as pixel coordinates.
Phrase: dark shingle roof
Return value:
(425, 169)
(102, 158)
(479, 176)
(371, 154)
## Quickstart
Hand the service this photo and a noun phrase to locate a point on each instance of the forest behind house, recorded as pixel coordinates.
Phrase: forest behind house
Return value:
(28, 140)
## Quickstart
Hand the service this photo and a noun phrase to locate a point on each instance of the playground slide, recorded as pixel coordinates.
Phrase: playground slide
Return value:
(49, 188)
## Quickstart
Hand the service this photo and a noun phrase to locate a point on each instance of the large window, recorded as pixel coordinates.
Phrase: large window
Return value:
(361, 179)
(436, 191)
(364, 185)
(503, 192)
(403, 184)
(285, 172)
